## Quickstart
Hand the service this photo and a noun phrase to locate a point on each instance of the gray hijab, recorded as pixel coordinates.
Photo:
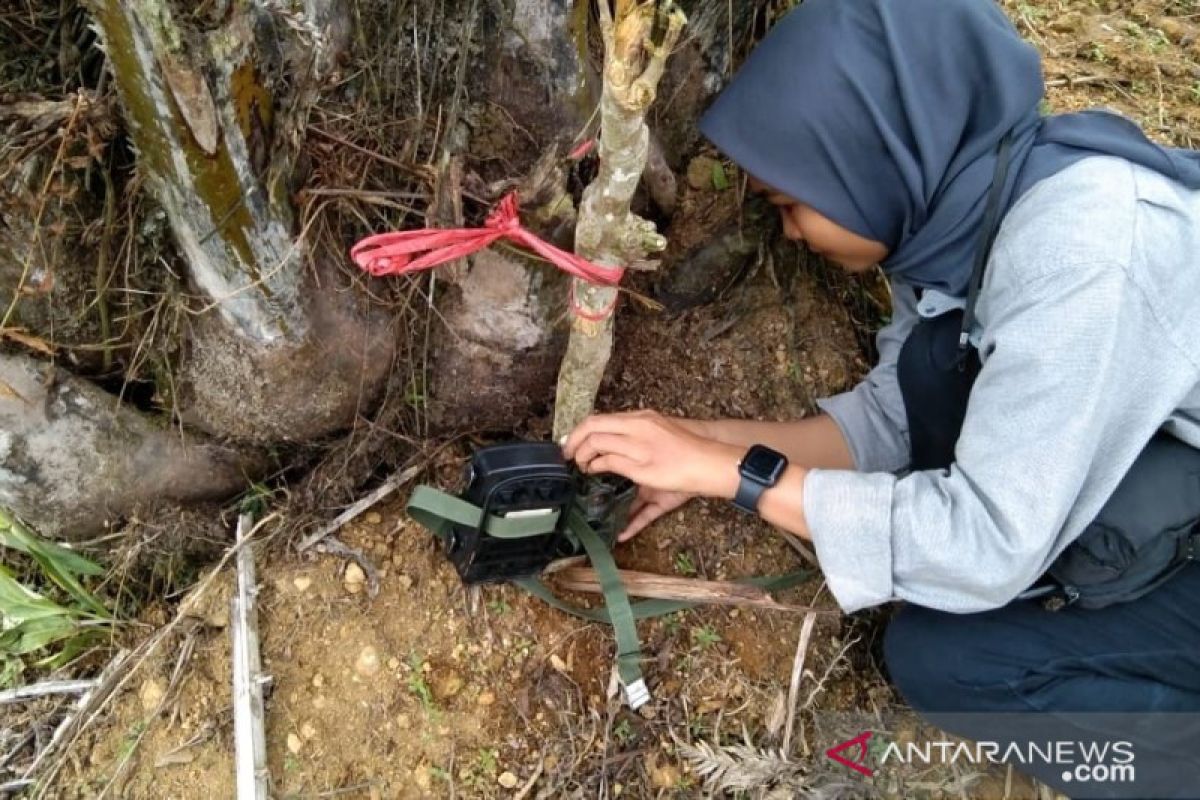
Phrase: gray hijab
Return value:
(885, 116)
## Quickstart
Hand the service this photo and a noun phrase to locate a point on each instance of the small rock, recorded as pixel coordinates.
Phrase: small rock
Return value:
(294, 743)
(354, 578)
(308, 731)
(508, 780)
(318, 681)
(393, 663)
(367, 663)
(302, 582)
(151, 694)
(448, 685)
(486, 698)
(373, 518)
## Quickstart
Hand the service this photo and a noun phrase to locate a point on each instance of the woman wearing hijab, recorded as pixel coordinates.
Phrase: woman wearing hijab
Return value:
(1039, 378)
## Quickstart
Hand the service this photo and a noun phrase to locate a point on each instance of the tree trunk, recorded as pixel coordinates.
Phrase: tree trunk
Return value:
(270, 357)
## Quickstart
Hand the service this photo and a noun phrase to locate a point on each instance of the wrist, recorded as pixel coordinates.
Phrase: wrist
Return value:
(697, 427)
(719, 470)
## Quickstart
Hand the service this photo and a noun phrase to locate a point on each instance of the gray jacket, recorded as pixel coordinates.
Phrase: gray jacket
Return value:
(1089, 332)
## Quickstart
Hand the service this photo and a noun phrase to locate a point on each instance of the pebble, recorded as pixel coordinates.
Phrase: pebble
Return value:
(373, 518)
(367, 663)
(302, 582)
(318, 680)
(486, 698)
(151, 694)
(354, 578)
(448, 685)
(307, 730)
(508, 780)
(393, 663)
(294, 743)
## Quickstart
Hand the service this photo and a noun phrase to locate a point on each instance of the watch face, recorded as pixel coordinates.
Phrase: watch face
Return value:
(763, 464)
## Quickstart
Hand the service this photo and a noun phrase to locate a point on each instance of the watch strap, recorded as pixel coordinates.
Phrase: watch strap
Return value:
(748, 494)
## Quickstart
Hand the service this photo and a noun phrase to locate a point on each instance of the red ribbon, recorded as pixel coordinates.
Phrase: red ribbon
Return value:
(412, 251)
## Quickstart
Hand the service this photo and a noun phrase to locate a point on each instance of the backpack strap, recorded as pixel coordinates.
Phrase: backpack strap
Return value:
(992, 218)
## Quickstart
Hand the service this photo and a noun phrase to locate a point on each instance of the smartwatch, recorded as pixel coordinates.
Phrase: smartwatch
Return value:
(760, 469)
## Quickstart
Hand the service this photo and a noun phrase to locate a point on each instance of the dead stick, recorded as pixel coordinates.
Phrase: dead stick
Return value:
(691, 590)
(797, 672)
(45, 689)
(388, 486)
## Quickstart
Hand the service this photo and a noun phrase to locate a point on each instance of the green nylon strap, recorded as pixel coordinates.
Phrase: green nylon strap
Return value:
(437, 511)
(629, 648)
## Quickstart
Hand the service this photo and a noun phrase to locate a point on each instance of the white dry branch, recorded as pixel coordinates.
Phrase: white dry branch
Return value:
(249, 731)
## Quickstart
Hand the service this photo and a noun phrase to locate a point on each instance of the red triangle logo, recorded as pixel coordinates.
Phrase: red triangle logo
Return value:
(856, 761)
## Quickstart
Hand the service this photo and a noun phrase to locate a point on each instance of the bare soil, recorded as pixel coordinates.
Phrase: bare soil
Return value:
(433, 690)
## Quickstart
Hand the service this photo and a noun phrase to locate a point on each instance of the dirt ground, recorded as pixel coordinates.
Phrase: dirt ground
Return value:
(431, 690)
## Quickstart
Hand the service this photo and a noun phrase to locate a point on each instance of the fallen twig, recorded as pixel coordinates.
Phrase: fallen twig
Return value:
(691, 590)
(797, 672)
(388, 486)
(45, 689)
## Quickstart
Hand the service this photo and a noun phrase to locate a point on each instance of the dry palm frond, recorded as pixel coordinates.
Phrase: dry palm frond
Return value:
(765, 773)
(742, 767)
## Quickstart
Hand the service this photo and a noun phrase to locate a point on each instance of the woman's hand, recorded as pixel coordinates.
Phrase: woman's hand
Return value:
(649, 506)
(655, 452)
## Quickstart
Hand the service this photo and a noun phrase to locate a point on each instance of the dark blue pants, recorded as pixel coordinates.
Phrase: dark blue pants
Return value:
(1142, 656)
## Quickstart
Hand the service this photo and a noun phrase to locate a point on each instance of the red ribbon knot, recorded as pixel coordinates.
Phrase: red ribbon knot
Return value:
(405, 252)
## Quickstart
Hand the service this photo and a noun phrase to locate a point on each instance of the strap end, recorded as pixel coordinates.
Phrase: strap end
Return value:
(637, 694)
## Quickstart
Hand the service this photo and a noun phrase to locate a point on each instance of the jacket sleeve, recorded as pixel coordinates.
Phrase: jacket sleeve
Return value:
(1078, 374)
(871, 416)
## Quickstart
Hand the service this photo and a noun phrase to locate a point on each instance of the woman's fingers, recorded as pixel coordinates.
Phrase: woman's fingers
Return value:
(615, 463)
(620, 424)
(598, 444)
(640, 519)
